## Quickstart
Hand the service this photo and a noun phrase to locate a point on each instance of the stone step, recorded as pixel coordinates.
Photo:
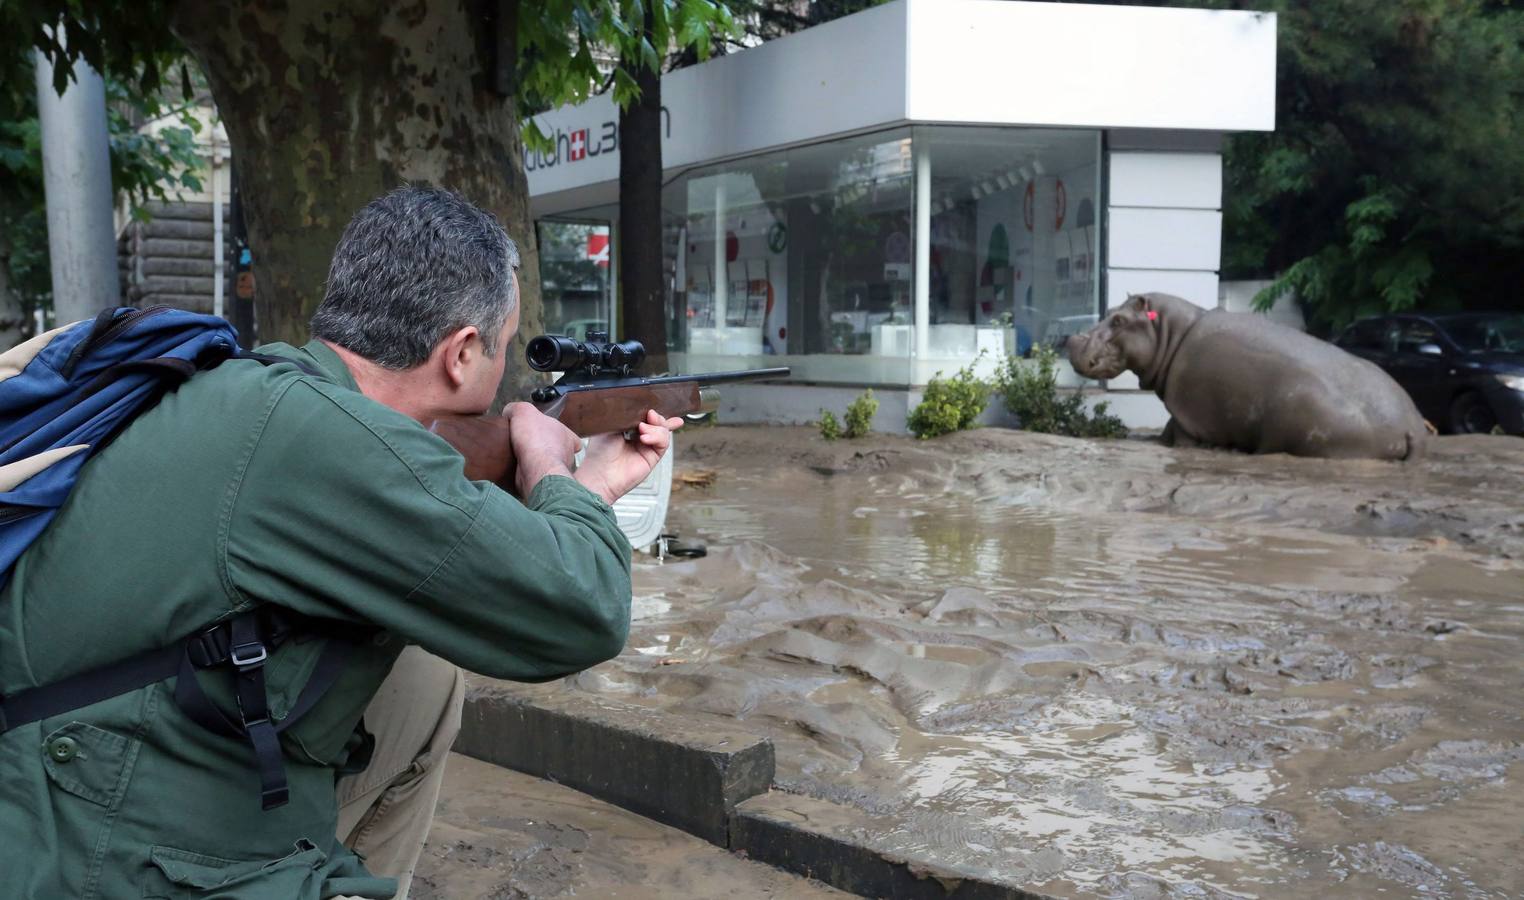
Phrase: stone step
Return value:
(709, 778)
(872, 856)
(681, 771)
(499, 833)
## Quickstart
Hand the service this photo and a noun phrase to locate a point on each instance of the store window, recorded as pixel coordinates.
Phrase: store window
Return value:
(805, 253)
(575, 270)
(809, 253)
(1015, 236)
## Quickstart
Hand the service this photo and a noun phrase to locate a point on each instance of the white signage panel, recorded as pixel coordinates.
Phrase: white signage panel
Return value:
(977, 62)
(844, 76)
(1081, 65)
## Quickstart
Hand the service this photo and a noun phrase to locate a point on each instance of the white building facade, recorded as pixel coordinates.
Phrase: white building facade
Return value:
(897, 192)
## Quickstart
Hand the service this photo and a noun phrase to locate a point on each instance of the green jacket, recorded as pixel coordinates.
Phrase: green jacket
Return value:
(261, 484)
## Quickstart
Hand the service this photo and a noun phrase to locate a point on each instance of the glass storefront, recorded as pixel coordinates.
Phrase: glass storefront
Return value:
(804, 253)
(1014, 238)
(807, 257)
(576, 272)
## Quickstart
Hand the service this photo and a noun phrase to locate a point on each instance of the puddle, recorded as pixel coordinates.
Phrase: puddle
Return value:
(1115, 670)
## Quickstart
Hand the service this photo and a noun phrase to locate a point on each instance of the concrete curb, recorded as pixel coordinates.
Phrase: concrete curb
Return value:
(710, 781)
(683, 773)
(844, 848)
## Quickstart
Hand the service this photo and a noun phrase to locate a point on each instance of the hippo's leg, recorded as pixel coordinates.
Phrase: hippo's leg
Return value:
(1175, 436)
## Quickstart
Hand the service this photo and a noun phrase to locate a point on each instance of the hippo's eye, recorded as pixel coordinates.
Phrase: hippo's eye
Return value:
(1116, 321)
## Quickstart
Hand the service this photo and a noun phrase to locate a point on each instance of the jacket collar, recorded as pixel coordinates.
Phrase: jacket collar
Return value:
(320, 356)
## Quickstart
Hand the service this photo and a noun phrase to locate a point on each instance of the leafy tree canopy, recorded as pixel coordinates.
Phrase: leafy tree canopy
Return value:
(559, 46)
(571, 49)
(143, 166)
(1395, 178)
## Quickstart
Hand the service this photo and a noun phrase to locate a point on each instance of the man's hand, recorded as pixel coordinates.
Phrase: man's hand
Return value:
(541, 446)
(614, 465)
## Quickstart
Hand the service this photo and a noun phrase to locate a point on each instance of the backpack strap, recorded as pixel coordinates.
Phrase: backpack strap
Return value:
(170, 371)
(248, 643)
(242, 643)
(270, 359)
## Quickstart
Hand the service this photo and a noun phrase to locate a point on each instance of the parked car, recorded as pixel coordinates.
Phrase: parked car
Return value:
(1465, 371)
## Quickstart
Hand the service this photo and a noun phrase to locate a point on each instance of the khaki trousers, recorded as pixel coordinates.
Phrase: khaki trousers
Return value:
(385, 811)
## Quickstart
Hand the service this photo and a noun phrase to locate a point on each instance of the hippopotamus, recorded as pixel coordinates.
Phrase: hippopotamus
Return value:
(1240, 381)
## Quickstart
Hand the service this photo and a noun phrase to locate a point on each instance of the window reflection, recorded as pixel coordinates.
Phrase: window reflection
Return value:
(810, 253)
(574, 276)
(1014, 237)
(806, 251)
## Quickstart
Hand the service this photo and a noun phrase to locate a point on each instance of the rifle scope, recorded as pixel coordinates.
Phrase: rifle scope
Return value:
(558, 353)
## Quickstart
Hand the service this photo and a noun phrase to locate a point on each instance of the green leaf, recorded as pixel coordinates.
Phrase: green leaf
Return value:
(648, 58)
(587, 26)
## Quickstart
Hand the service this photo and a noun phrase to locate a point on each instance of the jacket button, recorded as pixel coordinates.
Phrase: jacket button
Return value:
(63, 749)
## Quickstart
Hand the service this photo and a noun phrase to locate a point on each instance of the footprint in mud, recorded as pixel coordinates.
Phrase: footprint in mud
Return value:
(1459, 762)
(1308, 664)
(1392, 670)
(1394, 862)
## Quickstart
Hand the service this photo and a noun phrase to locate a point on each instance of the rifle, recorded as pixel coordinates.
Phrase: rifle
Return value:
(598, 394)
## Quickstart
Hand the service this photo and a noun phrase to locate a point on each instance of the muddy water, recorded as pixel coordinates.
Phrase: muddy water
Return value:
(1116, 669)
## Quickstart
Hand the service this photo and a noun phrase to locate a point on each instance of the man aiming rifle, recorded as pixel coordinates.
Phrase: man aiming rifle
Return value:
(326, 565)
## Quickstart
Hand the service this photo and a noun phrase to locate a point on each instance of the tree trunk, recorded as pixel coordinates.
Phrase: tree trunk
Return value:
(641, 295)
(331, 103)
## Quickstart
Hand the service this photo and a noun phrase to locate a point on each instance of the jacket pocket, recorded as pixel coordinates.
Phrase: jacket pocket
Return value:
(88, 762)
(182, 875)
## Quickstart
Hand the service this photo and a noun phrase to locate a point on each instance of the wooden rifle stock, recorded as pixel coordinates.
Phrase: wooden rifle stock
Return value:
(587, 407)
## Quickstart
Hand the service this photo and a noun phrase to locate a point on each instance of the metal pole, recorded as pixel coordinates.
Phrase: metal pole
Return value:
(240, 273)
(219, 254)
(922, 248)
(76, 169)
(721, 257)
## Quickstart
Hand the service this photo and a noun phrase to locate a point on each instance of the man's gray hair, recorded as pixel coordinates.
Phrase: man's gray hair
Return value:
(411, 267)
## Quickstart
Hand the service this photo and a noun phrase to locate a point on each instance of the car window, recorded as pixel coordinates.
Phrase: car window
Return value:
(1367, 335)
(1482, 333)
(1415, 335)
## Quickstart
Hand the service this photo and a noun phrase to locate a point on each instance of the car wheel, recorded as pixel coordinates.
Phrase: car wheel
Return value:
(1470, 414)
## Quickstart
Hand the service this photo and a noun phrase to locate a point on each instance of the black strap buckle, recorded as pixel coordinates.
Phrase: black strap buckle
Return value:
(247, 656)
(210, 647)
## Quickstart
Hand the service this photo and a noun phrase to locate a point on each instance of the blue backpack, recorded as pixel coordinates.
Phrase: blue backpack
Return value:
(63, 396)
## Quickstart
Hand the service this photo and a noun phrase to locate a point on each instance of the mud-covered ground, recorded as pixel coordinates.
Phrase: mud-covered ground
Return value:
(502, 835)
(1111, 668)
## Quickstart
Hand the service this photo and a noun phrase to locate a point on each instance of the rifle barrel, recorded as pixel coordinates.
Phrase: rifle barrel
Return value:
(569, 386)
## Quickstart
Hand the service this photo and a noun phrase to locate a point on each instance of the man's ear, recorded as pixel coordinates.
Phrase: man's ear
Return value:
(458, 351)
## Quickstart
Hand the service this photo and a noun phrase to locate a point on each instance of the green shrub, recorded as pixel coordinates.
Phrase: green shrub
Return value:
(860, 414)
(1102, 424)
(1031, 394)
(830, 429)
(949, 404)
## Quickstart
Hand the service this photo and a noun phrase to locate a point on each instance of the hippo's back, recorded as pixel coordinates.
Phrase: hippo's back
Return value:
(1330, 384)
